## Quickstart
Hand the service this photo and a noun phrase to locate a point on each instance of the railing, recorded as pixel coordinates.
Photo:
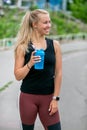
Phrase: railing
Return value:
(70, 37)
(7, 43)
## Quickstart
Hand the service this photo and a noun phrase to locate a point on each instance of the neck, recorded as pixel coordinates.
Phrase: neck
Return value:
(38, 41)
(37, 38)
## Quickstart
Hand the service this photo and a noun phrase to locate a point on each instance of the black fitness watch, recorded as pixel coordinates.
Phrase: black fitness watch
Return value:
(56, 98)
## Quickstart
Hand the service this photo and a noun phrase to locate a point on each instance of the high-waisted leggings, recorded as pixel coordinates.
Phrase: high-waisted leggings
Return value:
(30, 105)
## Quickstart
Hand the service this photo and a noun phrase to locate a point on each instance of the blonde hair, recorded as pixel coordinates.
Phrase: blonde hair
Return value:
(25, 32)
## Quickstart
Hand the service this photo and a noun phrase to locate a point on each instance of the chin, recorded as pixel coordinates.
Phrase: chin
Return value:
(47, 33)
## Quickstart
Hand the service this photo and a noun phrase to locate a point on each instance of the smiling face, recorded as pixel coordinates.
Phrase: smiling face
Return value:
(44, 24)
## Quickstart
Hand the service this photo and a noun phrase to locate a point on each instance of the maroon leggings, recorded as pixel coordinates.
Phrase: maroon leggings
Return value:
(31, 104)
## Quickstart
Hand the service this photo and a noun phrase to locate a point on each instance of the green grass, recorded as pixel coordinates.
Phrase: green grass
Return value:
(5, 86)
(10, 22)
(64, 25)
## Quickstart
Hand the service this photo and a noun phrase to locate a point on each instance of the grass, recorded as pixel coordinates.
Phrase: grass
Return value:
(5, 86)
(9, 23)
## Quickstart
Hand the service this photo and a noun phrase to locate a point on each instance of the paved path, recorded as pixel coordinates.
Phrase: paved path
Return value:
(73, 103)
(6, 67)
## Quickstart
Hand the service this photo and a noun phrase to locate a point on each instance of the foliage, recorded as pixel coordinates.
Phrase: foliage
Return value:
(79, 9)
(5, 86)
(10, 22)
(63, 25)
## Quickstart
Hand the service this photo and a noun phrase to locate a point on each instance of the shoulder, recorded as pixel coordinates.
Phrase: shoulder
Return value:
(56, 45)
(20, 50)
(49, 40)
(55, 42)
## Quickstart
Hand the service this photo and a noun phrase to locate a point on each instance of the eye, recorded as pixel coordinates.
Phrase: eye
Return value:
(46, 22)
(50, 21)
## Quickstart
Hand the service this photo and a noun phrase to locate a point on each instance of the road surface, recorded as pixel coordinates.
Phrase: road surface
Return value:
(73, 95)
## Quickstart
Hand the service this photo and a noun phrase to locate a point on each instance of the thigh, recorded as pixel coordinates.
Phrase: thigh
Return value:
(45, 118)
(28, 109)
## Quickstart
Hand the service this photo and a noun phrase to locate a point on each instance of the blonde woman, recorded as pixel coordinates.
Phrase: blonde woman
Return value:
(40, 89)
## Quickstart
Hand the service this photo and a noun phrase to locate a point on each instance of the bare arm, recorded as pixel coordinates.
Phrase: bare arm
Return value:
(58, 69)
(20, 70)
(58, 78)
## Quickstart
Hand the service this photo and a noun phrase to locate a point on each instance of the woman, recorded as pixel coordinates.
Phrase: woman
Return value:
(40, 88)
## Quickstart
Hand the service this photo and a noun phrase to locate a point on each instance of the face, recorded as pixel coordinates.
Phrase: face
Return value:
(44, 24)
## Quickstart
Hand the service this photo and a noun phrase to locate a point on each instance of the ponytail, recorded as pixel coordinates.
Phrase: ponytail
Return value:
(24, 34)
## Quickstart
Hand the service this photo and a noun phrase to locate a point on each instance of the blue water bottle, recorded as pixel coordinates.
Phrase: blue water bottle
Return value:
(40, 65)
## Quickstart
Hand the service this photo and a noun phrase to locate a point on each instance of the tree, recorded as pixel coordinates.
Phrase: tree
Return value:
(79, 9)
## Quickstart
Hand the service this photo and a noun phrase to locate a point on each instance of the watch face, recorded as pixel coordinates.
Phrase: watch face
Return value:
(57, 98)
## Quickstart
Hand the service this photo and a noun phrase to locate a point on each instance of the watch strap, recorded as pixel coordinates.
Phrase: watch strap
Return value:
(56, 98)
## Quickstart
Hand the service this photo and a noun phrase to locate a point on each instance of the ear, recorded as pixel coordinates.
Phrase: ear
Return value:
(34, 24)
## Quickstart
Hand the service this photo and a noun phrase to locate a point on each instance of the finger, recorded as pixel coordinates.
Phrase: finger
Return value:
(53, 111)
(50, 108)
(37, 58)
(36, 61)
(33, 52)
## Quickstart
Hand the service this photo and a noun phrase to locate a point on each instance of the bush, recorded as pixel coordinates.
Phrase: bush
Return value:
(63, 25)
(9, 23)
(79, 10)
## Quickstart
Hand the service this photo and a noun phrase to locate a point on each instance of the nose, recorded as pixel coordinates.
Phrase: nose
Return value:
(49, 25)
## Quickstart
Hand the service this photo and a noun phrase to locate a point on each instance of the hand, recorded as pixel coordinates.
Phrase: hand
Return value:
(34, 59)
(53, 107)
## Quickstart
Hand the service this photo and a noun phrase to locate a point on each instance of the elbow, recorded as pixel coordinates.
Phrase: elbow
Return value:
(59, 74)
(17, 77)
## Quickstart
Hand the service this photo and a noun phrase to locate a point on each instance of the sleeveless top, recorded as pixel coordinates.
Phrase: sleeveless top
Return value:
(40, 81)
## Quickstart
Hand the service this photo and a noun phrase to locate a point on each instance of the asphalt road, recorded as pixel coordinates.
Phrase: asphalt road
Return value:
(73, 95)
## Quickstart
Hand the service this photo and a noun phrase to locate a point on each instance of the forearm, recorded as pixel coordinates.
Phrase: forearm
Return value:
(21, 73)
(57, 83)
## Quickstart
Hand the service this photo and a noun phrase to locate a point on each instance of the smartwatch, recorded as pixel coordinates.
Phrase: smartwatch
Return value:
(55, 98)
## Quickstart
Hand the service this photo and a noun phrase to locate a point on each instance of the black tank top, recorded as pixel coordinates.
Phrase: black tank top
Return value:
(40, 81)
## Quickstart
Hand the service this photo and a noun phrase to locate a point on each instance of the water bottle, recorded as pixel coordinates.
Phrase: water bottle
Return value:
(40, 65)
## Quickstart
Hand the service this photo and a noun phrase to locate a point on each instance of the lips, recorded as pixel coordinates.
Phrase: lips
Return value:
(47, 30)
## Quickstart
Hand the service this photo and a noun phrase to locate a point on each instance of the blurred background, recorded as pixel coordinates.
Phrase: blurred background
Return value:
(68, 16)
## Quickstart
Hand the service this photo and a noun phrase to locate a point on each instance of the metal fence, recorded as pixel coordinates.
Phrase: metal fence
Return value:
(70, 37)
(7, 43)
